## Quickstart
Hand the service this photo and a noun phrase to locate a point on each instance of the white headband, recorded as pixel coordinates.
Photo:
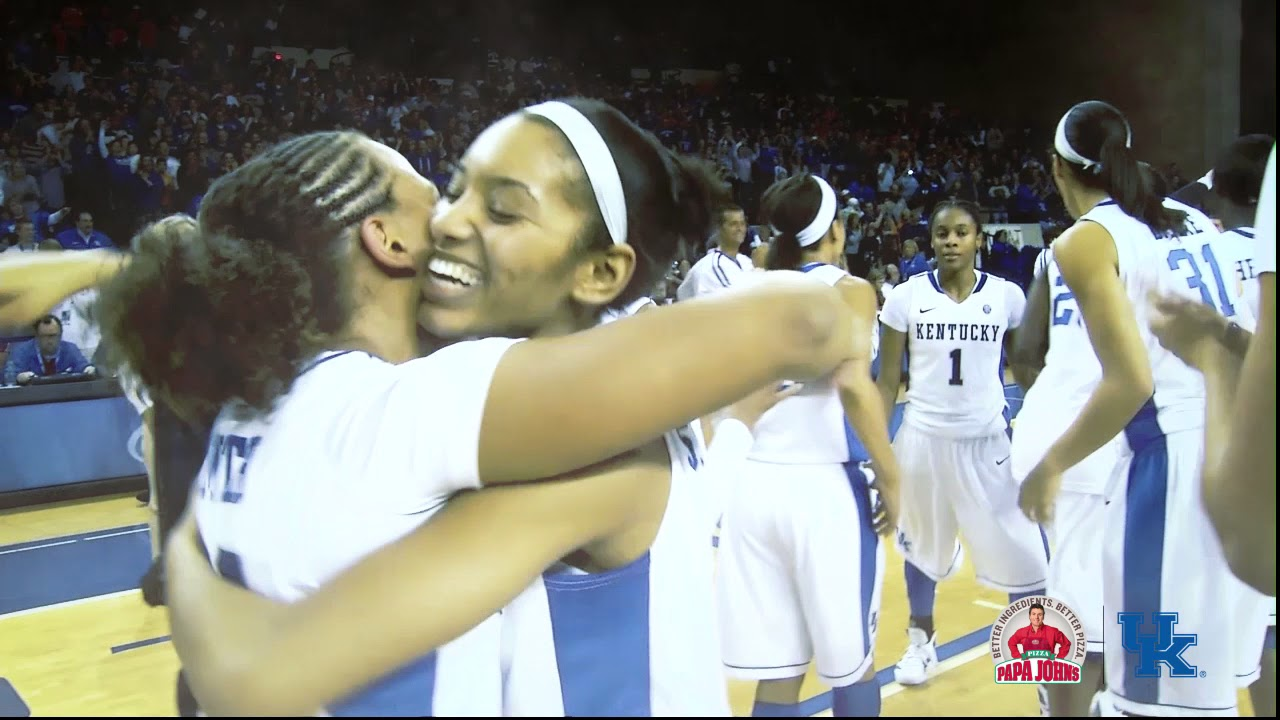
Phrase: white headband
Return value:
(822, 221)
(596, 159)
(1068, 153)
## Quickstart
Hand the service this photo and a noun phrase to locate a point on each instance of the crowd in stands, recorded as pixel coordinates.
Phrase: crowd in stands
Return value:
(112, 115)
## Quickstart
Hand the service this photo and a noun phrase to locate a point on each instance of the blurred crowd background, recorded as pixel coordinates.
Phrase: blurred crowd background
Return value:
(115, 113)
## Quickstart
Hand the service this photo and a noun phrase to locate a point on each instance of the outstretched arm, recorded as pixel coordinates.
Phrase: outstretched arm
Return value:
(31, 284)
(659, 370)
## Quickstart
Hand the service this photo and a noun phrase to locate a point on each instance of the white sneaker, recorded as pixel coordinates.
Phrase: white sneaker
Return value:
(919, 660)
(1102, 706)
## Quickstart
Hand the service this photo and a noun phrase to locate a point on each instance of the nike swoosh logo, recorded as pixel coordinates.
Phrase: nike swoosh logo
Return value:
(929, 310)
(1001, 462)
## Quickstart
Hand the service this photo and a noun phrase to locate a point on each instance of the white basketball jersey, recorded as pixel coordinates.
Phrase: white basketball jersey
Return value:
(1071, 368)
(1265, 221)
(1242, 266)
(609, 314)
(77, 327)
(954, 351)
(1184, 263)
(638, 641)
(358, 454)
(808, 427)
(714, 272)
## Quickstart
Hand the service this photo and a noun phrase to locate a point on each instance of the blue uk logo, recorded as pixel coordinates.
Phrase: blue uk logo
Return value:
(1162, 647)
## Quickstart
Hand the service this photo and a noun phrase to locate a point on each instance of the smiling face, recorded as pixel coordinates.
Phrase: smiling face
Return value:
(507, 236)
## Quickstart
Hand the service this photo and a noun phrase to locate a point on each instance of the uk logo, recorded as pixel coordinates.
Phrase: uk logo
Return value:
(1163, 647)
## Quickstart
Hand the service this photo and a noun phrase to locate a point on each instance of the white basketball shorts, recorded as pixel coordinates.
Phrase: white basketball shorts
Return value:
(1182, 633)
(954, 487)
(800, 572)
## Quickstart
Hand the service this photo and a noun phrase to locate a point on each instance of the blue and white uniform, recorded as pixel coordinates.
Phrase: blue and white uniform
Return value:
(640, 640)
(1265, 262)
(357, 454)
(800, 567)
(714, 272)
(953, 444)
(1165, 578)
(1071, 372)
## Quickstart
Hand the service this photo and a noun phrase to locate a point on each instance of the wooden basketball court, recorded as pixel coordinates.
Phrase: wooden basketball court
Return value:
(91, 647)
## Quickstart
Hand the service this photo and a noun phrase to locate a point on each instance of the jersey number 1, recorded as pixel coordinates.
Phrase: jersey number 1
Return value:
(955, 368)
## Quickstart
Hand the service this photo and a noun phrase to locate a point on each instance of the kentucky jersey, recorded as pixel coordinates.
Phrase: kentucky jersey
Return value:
(808, 427)
(957, 386)
(1242, 268)
(640, 640)
(358, 454)
(1184, 262)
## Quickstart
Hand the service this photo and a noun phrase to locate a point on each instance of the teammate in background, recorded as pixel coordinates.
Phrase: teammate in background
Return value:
(800, 564)
(1056, 367)
(1234, 203)
(629, 524)
(1238, 483)
(954, 323)
(723, 265)
(1126, 242)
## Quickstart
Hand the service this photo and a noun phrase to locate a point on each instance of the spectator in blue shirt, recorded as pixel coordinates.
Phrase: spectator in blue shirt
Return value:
(913, 262)
(83, 236)
(42, 221)
(46, 354)
(23, 237)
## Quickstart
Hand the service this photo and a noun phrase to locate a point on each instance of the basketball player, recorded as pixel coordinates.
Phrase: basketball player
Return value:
(723, 264)
(1238, 506)
(1078, 517)
(800, 566)
(1234, 203)
(1059, 353)
(953, 323)
(1126, 242)
(386, 242)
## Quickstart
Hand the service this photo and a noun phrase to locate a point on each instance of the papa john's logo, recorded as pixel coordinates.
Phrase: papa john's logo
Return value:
(1038, 641)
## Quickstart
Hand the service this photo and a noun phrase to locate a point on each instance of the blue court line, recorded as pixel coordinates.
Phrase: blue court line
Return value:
(946, 651)
(11, 703)
(139, 644)
(68, 539)
(808, 708)
(48, 572)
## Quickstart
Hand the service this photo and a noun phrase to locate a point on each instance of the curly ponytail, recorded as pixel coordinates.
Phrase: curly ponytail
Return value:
(176, 316)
